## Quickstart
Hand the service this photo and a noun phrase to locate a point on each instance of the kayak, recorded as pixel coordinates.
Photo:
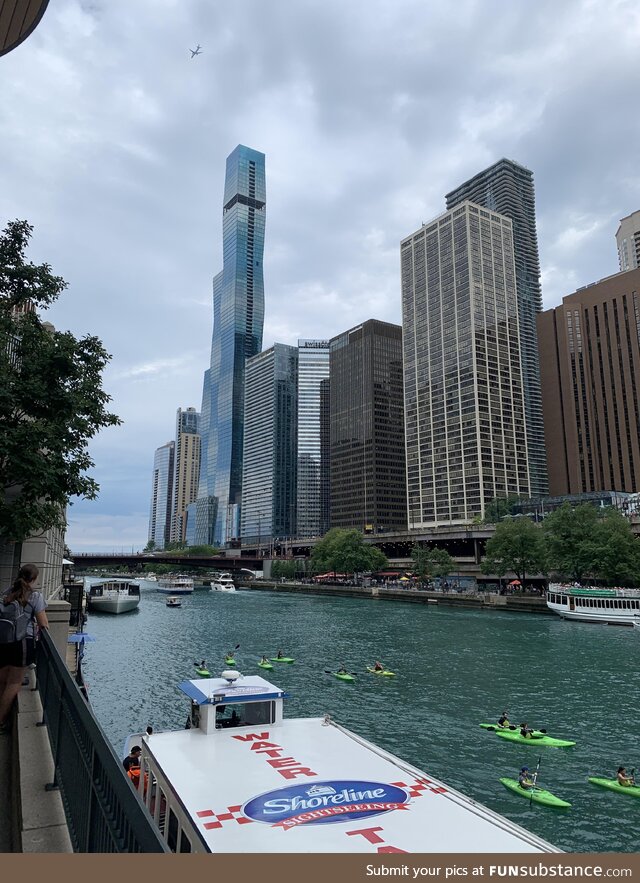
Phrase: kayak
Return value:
(537, 795)
(614, 785)
(266, 665)
(230, 661)
(203, 673)
(512, 728)
(282, 659)
(510, 736)
(344, 677)
(383, 672)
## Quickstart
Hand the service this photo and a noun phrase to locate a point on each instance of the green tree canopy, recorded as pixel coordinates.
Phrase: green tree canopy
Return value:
(499, 508)
(431, 561)
(51, 397)
(202, 551)
(344, 551)
(517, 546)
(570, 534)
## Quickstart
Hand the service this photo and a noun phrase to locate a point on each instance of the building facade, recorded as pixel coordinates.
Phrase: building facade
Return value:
(590, 369)
(465, 417)
(238, 316)
(628, 242)
(186, 470)
(367, 458)
(312, 505)
(270, 441)
(507, 188)
(161, 495)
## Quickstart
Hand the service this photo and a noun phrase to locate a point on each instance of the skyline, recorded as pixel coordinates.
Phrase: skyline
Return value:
(115, 145)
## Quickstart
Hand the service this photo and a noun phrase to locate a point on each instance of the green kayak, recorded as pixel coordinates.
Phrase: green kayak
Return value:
(510, 736)
(536, 795)
(384, 673)
(230, 661)
(266, 665)
(344, 677)
(614, 785)
(282, 659)
(508, 729)
(203, 673)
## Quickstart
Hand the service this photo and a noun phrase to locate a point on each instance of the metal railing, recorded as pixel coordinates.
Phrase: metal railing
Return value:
(102, 810)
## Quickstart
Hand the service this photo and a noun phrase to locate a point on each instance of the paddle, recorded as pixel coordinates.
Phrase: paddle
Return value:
(230, 655)
(535, 779)
(513, 727)
(354, 673)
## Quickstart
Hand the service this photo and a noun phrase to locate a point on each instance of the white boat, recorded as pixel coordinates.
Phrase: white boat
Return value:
(114, 596)
(613, 606)
(243, 779)
(174, 601)
(223, 582)
(176, 585)
(151, 578)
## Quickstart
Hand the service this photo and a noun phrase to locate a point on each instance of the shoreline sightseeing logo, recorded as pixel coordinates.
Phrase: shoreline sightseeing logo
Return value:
(325, 802)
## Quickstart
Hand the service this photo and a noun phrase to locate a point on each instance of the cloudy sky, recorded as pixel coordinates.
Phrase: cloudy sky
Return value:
(114, 143)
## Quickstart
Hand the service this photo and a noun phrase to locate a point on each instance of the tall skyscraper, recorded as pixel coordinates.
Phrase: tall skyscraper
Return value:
(367, 459)
(238, 315)
(269, 461)
(507, 188)
(187, 470)
(628, 241)
(312, 483)
(161, 491)
(590, 369)
(464, 400)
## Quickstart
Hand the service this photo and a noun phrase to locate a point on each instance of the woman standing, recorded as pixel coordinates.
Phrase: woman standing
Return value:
(16, 655)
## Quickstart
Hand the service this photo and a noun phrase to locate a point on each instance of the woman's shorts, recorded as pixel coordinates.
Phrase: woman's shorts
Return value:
(18, 654)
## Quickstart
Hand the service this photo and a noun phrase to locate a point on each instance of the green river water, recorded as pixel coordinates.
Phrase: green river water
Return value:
(454, 668)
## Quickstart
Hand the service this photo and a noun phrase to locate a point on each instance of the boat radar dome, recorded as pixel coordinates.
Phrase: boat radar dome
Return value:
(230, 676)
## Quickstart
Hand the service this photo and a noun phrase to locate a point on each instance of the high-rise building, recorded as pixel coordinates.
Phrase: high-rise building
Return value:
(161, 493)
(269, 457)
(507, 188)
(238, 315)
(312, 482)
(367, 460)
(628, 241)
(590, 370)
(187, 470)
(464, 401)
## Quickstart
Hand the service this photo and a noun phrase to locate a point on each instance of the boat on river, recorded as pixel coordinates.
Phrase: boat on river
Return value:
(176, 585)
(243, 778)
(223, 582)
(173, 601)
(113, 596)
(612, 606)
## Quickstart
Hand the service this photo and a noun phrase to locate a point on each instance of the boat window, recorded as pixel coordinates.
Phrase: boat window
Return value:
(162, 811)
(244, 714)
(185, 843)
(172, 837)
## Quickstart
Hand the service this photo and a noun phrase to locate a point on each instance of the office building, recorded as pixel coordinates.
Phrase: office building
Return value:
(507, 188)
(312, 505)
(269, 456)
(464, 399)
(161, 495)
(186, 471)
(238, 315)
(590, 370)
(628, 241)
(367, 459)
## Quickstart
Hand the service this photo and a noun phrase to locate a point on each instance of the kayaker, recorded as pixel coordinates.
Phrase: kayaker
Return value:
(503, 720)
(264, 660)
(203, 665)
(623, 779)
(524, 780)
(378, 666)
(228, 655)
(279, 655)
(525, 731)
(342, 671)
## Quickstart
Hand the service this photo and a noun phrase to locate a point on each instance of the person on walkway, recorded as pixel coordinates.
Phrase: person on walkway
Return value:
(21, 603)
(132, 760)
(524, 779)
(623, 779)
(503, 720)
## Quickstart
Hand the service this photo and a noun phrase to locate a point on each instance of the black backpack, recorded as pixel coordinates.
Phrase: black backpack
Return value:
(14, 620)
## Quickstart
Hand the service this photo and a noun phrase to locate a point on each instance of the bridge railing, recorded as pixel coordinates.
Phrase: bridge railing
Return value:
(102, 810)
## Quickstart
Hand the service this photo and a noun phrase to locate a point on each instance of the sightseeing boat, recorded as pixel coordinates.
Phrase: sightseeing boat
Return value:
(223, 582)
(173, 601)
(613, 606)
(175, 585)
(114, 596)
(242, 778)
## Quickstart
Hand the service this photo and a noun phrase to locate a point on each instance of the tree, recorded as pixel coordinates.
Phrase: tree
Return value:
(617, 550)
(517, 546)
(150, 547)
(499, 508)
(51, 398)
(570, 535)
(344, 551)
(432, 561)
(202, 551)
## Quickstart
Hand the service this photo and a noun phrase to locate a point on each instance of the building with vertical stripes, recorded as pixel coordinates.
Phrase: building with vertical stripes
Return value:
(312, 505)
(465, 419)
(186, 471)
(161, 495)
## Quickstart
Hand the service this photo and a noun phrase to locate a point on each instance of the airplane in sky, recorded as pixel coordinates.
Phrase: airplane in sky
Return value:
(196, 51)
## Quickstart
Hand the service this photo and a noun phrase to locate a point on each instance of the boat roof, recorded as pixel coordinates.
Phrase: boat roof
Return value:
(310, 785)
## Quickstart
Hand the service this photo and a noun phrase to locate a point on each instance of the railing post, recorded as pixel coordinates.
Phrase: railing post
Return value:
(53, 786)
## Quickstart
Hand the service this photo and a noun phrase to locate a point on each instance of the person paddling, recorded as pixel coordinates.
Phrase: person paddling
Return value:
(342, 671)
(503, 720)
(525, 731)
(264, 661)
(279, 655)
(524, 779)
(378, 666)
(623, 779)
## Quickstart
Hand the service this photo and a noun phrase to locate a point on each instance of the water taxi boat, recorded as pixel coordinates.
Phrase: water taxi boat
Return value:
(176, 585)
(613, 606)
(243, 779)
(114, 596)
(223, 582)
(174, 601)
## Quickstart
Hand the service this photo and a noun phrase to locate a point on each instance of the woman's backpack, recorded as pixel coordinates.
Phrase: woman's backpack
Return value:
(14, 620)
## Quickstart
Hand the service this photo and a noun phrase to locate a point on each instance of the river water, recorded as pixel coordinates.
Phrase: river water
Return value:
(455, 669)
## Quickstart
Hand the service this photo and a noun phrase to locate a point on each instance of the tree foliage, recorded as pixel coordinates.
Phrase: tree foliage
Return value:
(499, 508)
(344, 551)
(51, 397)
(517, 546)
(431, 561)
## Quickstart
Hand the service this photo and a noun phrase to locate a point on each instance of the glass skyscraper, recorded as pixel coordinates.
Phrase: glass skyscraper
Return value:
(507, 187)
(161, 495)
(313, 475)
(238, 316)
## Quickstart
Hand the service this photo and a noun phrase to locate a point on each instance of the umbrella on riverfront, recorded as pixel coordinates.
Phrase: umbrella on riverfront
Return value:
(515, 582)
(78, 637)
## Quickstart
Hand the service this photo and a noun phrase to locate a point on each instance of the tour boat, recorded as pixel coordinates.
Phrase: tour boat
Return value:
(114, 596)
(613, 606)
(223, 582)
(176, 585)
(243, 779)
(151, 578)
(174, 601)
